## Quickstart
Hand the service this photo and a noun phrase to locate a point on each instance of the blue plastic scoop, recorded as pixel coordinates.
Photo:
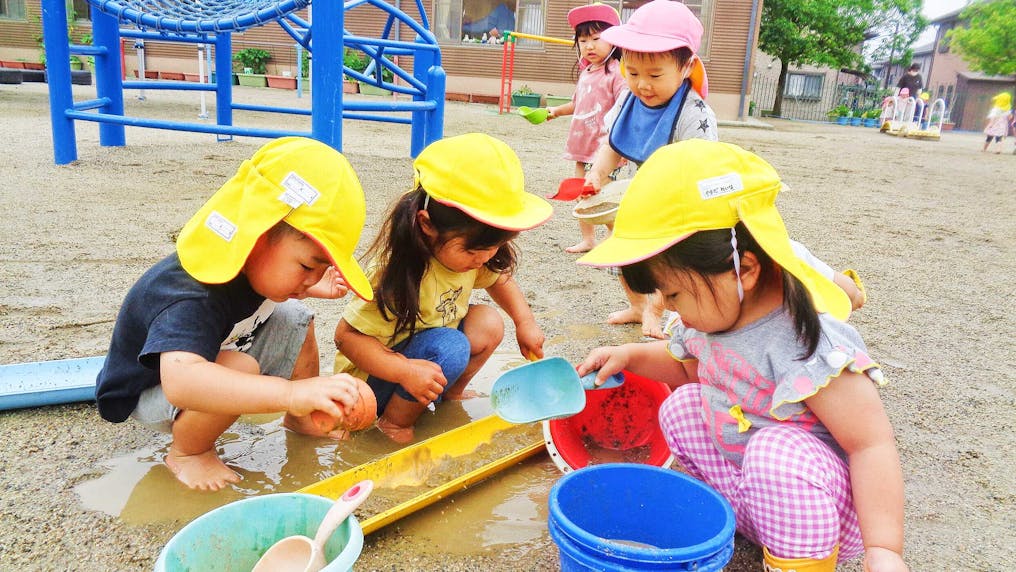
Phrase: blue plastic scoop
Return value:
(544, 389)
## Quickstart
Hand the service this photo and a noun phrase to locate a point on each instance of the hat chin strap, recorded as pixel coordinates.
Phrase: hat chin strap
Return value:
(737, 265)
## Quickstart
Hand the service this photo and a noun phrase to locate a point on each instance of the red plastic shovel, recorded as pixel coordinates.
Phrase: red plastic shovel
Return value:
(571, 189)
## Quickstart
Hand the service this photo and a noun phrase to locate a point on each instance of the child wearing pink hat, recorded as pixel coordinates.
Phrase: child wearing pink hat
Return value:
(659, 46)
(600, 86)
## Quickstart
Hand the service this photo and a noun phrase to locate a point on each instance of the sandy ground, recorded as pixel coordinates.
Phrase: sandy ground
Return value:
(927, 224)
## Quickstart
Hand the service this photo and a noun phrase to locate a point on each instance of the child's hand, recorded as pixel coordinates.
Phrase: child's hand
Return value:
(425, 381)
(877, 559)
(594, 181)
(331, 286)
(608, 360)
(551, 113)
(530, 338)
(323, 394)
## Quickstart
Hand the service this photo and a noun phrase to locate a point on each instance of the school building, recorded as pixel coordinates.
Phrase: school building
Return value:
(470, 55)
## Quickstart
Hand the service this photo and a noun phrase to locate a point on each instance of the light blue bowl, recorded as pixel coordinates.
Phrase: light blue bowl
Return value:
(233, 537)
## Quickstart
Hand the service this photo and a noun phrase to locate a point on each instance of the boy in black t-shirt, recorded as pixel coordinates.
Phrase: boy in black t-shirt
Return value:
(215, 330)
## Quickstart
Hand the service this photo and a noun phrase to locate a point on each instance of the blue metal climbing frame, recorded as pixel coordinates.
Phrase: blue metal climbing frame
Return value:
(212, 22)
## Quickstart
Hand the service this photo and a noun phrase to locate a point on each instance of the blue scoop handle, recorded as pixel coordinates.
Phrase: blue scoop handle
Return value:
(589, 381)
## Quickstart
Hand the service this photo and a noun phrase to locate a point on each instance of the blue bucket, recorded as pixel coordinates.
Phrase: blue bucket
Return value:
(625, 516)
(233, 537)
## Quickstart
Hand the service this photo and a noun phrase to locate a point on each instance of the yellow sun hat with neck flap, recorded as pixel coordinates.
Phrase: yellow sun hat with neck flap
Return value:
(299, 180)
(698, 185)
(482, 177)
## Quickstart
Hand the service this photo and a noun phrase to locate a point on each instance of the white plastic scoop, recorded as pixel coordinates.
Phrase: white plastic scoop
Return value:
(301, 554)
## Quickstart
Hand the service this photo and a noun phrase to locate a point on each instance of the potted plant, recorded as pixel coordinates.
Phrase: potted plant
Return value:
(371, 88)
(284, 81)
(556, 100)
(254, 63)
(840, 114)
(871, 117)
(525, 96)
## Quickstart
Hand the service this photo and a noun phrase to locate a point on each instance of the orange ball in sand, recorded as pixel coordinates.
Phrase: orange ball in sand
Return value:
(362, 416)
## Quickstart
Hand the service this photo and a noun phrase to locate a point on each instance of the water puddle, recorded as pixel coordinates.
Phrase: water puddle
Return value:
(509, 508)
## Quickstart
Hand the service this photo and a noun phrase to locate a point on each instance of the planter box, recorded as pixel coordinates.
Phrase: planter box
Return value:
(281, 81)
(871, 122)
(12, 65)
(856, 121)
(368, 89)
(528, 100)
(176, 76)
(556, 100)
(843, 120)
(149, 74)
(350, 87)
(34, 65)
(252, 79)
(948, 126)
(192, 77)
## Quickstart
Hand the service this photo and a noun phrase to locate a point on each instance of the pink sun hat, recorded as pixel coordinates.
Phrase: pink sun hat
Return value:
(662, 26)
(593, 13)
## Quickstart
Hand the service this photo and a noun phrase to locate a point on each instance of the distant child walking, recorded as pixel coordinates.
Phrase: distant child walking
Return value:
(420, 340)
(214, 330)
(668, 87)
(600, 86)
(775, 403)
(999, 118)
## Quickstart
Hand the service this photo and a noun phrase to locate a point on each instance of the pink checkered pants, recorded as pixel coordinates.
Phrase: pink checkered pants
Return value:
(791, 493)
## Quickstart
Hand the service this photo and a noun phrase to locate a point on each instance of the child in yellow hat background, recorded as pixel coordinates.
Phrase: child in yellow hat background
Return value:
(668, 84)
(774, 402)
(420, 340)
(213, 331)
(996, 127)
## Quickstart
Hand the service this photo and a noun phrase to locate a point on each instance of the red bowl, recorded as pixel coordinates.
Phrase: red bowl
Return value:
(619, 425)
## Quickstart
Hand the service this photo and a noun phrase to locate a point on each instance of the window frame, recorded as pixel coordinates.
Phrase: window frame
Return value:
(805, 95)
(453, 40)
(6, 13)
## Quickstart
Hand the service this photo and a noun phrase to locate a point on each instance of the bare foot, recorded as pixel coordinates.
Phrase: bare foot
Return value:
(203, 471)
(397, 433)
(626, 316)
(307, 426)
(578, 248)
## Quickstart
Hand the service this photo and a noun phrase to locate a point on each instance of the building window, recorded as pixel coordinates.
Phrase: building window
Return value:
(81, 9)
(486, 21)
(943, 43)
(12, 9)
(803, 86)
(703, 9)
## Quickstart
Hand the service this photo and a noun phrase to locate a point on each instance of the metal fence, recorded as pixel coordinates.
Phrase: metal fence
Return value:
(810, 96)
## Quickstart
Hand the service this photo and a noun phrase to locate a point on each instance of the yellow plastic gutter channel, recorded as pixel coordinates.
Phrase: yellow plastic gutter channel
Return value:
(407, 462)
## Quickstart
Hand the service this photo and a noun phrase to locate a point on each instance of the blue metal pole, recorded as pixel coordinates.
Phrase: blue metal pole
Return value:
(326, 73)
(58, 75)
(224, 80)
(108, 79)
(423, 61)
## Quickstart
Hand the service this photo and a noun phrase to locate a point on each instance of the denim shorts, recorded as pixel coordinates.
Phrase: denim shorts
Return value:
(276, 346)
(447, 347)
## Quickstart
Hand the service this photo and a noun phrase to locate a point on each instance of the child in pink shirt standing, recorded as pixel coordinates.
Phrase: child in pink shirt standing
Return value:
(600, 85)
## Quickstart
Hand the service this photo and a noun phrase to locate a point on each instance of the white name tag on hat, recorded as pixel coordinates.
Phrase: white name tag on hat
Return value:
(298, 191)
(718, 186)
(220, 225)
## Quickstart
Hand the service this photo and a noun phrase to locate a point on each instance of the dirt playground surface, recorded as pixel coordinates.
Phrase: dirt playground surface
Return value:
(928, 225)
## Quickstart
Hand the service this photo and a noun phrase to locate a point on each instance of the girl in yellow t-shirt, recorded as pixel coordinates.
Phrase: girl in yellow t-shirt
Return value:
(420, 340)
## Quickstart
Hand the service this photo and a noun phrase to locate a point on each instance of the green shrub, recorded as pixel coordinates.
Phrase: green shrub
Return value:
(254, 58)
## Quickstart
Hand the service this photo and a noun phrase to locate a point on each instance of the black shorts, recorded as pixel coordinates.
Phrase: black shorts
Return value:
(997, 138)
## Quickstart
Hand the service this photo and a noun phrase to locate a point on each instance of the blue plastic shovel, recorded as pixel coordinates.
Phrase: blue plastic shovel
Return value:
(544, 389)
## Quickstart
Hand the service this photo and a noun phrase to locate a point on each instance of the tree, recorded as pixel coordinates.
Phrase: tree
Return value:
(895, 32)
(987, 42)
(820, 32)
